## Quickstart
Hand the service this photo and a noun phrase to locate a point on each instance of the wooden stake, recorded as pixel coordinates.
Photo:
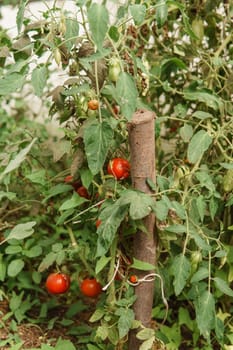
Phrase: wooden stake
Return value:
(142, 151)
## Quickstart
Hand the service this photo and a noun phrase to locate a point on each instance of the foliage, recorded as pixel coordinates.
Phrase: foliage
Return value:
(172, 57)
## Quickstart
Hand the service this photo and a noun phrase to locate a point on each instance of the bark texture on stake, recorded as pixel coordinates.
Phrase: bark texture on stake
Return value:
(142, 151)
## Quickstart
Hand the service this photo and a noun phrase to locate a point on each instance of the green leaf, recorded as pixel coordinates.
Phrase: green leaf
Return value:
(22, 231)
(179, 209)
(73, 202)
(199, 143)
(213, 207)
(227, 165)
(201, 274)
(48, 260)
(140, 207)
(142, 265)
(86, 177)
(161, 12)
(140, 203)
(126, 94)
(55, 190)
(98, 19)
(202, 115)
(187, 25)
(18, 67)
(125, 321)
(114, 33)
(38, 177)
(64, 216)
(186, 132)
(72, 31)
(205, 96)
(17, 346)
(8, 195)
(15, 267)
(223, 286)
(39, 79)
(34, 252)
(201, 207)
(205, 313)
(13, 249)
(169, 65)
(145, 334)
(176, 228)
(20, 14)
(101, 263)
(93, 347)
(97, 315)
(184, 318)
(205, 180)
(64, 344)
(97, 140)
(102, 332)
(181, 269)
(2, 268)
(19, 158)
(200, 242)
(161, 210)
(229, 202)
(11, 83)
(147, 344)
(15, 301)
(138, 13)
(111, 218)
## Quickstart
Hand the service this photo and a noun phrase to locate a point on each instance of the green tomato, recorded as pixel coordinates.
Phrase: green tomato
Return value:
(228, 181)
(114, 69)
(198, 28)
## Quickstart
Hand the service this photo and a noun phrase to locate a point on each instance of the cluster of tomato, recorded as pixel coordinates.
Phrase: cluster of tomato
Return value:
(59, 283)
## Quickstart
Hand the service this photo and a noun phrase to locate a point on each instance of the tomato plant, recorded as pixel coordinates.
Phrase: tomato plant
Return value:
(90, 287)
(91, 69)
(57, 283)
(119, 168)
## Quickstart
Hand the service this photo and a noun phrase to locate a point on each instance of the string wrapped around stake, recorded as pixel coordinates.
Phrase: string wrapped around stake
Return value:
(147, 278)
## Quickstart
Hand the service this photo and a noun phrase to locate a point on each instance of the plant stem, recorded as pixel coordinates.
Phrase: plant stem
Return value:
(85, 211)
(223, 45)
(111, 296)
(72, 238)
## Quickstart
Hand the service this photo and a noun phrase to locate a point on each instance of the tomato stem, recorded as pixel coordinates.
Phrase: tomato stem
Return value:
(72, 238)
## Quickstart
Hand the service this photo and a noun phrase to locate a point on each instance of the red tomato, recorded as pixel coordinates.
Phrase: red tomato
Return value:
(116, 109)
(57, 283)
(90, 287)
(93, 104)
(98, 222)
(68, 179)
(119, 168)
(82, 191)
(133, 279)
